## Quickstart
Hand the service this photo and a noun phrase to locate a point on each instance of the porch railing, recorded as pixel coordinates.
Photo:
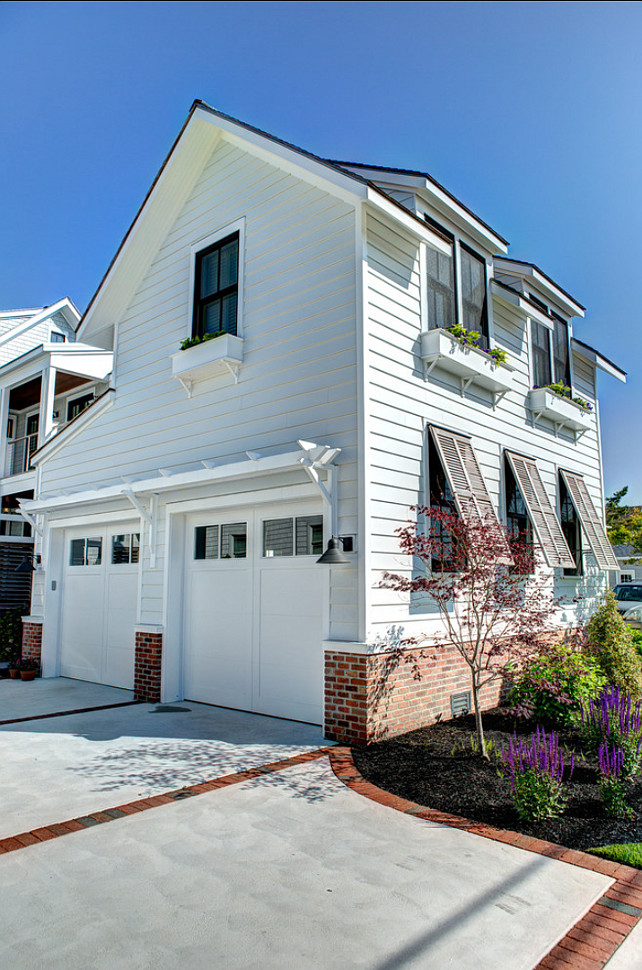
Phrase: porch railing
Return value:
(19, 452)
(14, 527)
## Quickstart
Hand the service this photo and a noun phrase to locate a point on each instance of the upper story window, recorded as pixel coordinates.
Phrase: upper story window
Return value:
(56, 338)
(443, 283)
(216, 288)
(550, 349)
(78, 405)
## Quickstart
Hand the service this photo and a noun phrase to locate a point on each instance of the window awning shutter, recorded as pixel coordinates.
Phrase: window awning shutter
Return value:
(464, 476)
(591, 521)
(541, 512)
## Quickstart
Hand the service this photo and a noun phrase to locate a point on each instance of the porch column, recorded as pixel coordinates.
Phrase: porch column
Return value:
(4, 418)
(47, 392)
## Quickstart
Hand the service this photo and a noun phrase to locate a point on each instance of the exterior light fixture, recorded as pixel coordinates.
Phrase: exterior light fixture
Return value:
(27, 564)
(333, 555)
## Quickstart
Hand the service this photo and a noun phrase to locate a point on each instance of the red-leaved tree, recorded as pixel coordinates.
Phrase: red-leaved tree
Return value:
(495, 604)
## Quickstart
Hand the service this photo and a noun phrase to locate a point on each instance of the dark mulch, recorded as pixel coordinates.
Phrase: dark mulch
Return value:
(422, 767)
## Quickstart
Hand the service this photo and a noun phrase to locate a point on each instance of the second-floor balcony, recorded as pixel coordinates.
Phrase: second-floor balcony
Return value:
(19, 452)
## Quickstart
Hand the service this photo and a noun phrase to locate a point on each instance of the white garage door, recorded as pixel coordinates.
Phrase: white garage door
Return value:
(254, 612)
(100, 596)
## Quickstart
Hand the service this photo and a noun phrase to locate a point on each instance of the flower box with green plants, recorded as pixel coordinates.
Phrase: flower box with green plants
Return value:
(555, 402)
(457, 350)
(206, 356)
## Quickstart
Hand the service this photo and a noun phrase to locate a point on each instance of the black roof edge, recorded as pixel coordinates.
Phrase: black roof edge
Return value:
(582, 343)
(425, 175)
(525, 262)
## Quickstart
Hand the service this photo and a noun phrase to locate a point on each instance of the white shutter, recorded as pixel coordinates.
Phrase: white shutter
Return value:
(464, 474)
(591, 521)
(541, 512)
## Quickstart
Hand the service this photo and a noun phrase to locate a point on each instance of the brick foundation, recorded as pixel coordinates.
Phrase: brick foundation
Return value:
(31, 640)
(147, 666)
(373, 696)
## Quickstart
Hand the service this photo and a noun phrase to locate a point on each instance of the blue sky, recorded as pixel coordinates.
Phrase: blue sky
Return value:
(530, 113)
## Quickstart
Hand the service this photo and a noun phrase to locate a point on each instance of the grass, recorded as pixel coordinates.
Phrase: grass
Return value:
(627, 853)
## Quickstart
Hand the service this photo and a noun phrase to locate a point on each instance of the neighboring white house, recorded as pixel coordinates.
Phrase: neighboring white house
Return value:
(183, 514)
(627, 571)
(46, 379)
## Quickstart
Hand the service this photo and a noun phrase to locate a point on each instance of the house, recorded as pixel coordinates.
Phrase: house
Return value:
(283, 376)
(629, 567)
(46, 379)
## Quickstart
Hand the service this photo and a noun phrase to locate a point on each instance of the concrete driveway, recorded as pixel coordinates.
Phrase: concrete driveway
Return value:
(290, 868)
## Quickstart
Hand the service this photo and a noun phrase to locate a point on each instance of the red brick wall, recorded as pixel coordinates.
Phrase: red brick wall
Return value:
(373, 696)
(31, 640)
(147, 666)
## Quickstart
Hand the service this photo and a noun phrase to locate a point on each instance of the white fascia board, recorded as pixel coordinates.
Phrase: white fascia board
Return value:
(81, 359)
(64, 306)
(547, 287)
(21, 313)
(516, 301)
(69, 431)
(169, 483)
(596, 358)
(378, 200)
(464, 220)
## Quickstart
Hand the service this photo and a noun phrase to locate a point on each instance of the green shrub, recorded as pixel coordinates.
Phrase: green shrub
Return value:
(10, 634)
(636, 636)
(552, 685)
(609, 641)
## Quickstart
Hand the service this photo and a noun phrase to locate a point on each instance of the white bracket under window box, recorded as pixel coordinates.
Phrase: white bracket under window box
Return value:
(219, 355)
(439, 349)
(563, 412)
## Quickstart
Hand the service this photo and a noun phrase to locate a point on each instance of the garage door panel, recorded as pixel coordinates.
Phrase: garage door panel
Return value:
(290, 592)
(122, 600)
(82, 627)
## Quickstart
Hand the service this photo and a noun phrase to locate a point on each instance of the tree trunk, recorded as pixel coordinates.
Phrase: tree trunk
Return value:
(478, 718)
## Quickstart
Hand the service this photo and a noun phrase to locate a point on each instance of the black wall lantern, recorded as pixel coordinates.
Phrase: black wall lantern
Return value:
(333, 556)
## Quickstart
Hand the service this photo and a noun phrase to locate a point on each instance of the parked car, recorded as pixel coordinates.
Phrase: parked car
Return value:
(628, 595)
(634, 617)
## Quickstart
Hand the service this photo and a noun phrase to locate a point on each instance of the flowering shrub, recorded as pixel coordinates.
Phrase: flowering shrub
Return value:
(553, 684)
(535, 768)
(611, 762)
(612, 719)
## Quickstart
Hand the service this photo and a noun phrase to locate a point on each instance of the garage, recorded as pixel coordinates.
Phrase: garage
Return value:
(100, 597)
(253, 611)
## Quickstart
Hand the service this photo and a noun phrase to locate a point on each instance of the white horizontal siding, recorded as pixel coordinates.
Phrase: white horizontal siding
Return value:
(400, 402)
(298, 378)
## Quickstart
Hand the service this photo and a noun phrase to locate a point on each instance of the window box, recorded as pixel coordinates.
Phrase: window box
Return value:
(219, 355)
(439, 349)
(564, 413)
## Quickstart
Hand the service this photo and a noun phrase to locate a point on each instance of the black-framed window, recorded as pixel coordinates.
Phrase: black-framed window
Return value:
(473, 293)
(227, 541)
(442, 498)
(540, 354)
(216, 288)
(561, 356)
(518, 521)
(571, 528)
(78, 405)
(441, 295)
(56, 338)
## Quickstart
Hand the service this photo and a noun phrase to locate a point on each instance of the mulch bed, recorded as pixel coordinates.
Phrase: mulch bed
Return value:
(435, 767)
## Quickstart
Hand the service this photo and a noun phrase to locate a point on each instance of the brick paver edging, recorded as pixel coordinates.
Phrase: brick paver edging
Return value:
(593, 940)
(47, 832)
(79, 710)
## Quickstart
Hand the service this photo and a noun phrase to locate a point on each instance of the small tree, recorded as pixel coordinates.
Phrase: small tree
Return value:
(495, 605)
(609, 640)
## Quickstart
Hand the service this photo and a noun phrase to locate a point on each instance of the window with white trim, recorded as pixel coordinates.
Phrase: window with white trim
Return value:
(540, 511)
(227, 541)
(125, 548)
(86, 551)
(216, 280)
(443, 281)
(591, 521)
(300, 536)
(571, 528)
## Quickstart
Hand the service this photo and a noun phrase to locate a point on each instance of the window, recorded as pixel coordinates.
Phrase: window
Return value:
(442, 498)
(626, 577)
(56, 338)
(86, 552)
(78, 405)
(561, 358)
(228, 541)
(279, 536)
(592, 521)
(473, 293)
(541, 354)
(541, 513)
(125, 548)
(216, 288)
(441, 287)
(518, 520)
(571, 528)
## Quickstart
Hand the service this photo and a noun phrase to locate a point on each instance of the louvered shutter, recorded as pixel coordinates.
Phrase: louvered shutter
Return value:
(464, 474)
(541, 512)
(591, 521)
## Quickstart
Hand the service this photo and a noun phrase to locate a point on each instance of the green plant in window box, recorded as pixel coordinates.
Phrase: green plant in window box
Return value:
(471, 338)
(563, 390)
(195, 341)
